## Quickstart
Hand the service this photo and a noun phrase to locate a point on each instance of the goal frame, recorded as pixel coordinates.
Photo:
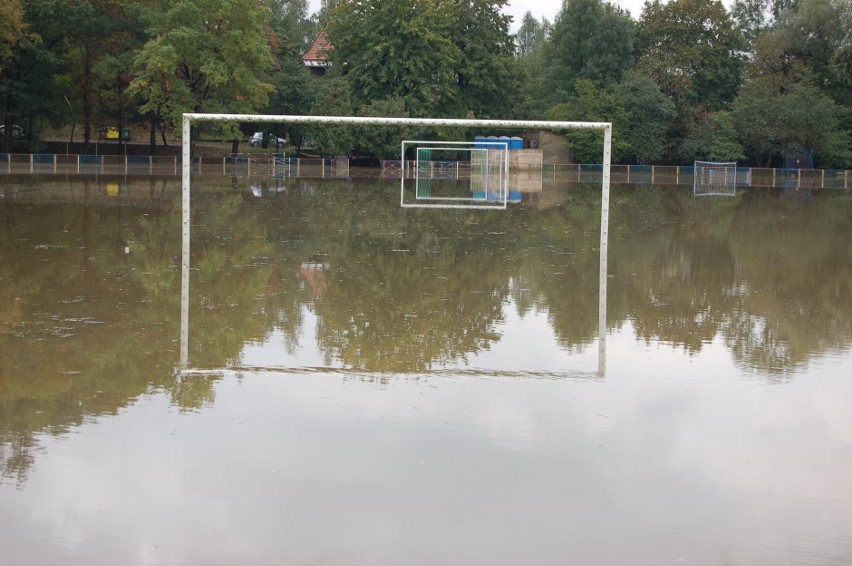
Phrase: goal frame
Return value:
(474, 203)
(186, 174)
(728, 169)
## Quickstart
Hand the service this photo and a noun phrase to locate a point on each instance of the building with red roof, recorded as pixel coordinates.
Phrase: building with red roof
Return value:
(316, 57)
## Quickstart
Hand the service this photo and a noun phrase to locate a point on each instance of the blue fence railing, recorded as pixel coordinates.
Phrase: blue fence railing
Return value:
(285, 166)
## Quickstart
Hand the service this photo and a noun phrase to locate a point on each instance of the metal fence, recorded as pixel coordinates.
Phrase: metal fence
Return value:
(259, 165)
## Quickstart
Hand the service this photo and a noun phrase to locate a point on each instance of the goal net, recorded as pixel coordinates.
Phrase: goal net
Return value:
(714, 178)
(455, 174)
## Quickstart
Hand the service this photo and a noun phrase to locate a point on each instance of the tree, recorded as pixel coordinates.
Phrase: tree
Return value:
(532, 38)
(692, 50)
(650, 115)
(12, 28)
(591, 40)
(28, 82)
(770, 121)
(713, 138)
(816, 33)
(395, 48)
(484, 73)
(593, 104)
(333, 100)
(751, 18)
(382, 141)
(532, 35)
(294, 94)
(95, 30)
(442, 58)
(291, 25)
(204, 56)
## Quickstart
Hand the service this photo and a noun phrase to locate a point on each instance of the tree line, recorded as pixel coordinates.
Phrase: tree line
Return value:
(686, 80)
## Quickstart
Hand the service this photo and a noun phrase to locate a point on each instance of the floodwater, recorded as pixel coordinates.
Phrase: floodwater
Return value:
(368, 384)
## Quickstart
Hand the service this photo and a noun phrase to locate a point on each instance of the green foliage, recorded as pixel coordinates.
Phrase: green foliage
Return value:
(770, 121)
(441, 58)
(816, 34)
(692, 50)
(650, 115)
(12, 28)
(294, 94)
(532, 35)
(751, 18)
(382, 141)
(395, 48)
(28, 83)
(333, 100)
(593, 104)
(591, 40)
(484, 74)
(204, 56)
(293, 30)
(713, 138)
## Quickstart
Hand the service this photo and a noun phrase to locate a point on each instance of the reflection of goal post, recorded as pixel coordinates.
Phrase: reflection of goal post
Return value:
(186, 170)
(714, 178)
(456, 174)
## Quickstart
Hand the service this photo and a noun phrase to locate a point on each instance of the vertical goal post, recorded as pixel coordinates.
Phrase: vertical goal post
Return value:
(186, 174)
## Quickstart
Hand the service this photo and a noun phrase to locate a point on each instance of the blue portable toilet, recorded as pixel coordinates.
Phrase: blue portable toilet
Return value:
(505, 142)
(492, 142)
(479, 142)
(514, 196)
(516, 143)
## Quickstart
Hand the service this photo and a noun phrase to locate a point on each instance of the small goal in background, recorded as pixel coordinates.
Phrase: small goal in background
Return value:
(714, 178)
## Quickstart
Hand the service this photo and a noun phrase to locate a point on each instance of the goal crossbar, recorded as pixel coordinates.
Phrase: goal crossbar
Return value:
(186, 171)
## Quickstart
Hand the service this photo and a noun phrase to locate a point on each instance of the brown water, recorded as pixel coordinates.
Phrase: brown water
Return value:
(373, 385)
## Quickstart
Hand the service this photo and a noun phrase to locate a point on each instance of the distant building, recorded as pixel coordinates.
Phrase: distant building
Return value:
(316, 57)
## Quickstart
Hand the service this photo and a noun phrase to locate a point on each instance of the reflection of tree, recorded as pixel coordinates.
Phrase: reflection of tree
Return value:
(89, 304)
(795, 264)
(393, 312)
(684, 294)
(86, 328)
(557, 253)
(771, 275)
(79, 335)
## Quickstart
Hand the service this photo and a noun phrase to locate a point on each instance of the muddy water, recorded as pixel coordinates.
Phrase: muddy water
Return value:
(372, 385)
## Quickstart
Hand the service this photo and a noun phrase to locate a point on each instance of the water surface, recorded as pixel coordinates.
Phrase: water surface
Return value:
(372, 385)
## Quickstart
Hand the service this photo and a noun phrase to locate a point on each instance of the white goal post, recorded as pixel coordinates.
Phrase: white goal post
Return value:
(489, 174)
(186, 173)
(717, 178)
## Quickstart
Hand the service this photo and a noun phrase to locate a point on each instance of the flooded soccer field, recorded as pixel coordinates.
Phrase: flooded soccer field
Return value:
(368, 384)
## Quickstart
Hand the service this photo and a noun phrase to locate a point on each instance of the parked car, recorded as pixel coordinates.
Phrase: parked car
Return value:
(256, 140)
(17, 132)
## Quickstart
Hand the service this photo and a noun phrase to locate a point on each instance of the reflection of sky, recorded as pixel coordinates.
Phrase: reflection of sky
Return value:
(672, 458)
(527, 344)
